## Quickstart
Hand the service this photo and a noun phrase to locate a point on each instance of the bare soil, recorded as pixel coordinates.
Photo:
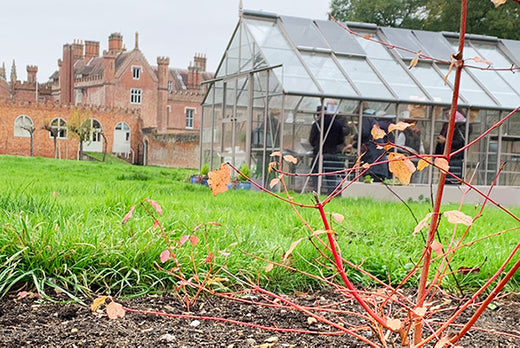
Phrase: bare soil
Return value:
(32, 322)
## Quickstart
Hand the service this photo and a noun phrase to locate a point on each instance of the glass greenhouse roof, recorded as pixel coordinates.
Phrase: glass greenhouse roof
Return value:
(320, 58)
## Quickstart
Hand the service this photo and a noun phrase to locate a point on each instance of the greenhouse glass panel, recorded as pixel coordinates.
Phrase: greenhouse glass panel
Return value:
(341, 41)
(433, 83)
(491, 53)
(490, 80)
(514, 48)
(233, 54)
(267, 34)
(469, 89)
(328, 74)
(364, 78)
(303, 32)
(392, 71)
(402, 38)
(434, 44)
(246, 51)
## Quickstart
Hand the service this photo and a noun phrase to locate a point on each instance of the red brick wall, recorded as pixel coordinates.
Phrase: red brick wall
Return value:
(43, 113)
(179, 150)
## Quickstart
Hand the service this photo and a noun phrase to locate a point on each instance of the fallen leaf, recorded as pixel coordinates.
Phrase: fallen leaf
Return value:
(214, 223)
(301, 294)
(29, 294)
(338, 217)
(290, 159)
(115, 310)
(458, 217)
(183, 239)
(422, 224)
(272, 339)
(55, 194)
(217, 280)
(219, 179)
(165, 255)
(209, 258)
(269, 267)
(394, 324)
(377, 132)
(401, 167)
(156, 206)
(128, 215)
(97, 302)
(443, 342)
(437, 247)
(498, 2)
(400, 126)
(311, 320)
(420, 311)
(442, 164)
(423, 163)
(194, 240)
(291, 249)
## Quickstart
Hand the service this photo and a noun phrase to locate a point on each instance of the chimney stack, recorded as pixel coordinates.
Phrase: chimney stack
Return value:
(199, 62)
(77, 50)
(67, 75)
(31, 73)
(115, 42)
(91, 50)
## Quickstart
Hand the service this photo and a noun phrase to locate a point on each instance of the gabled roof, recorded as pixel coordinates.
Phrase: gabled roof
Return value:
(325, 59)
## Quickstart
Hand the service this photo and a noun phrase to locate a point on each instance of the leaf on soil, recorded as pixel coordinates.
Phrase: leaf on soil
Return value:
(128, 215)
(443, 342)
(400, 126)
(422, 224)
(214, 223)
(377, 132)
(165, 255)
(115, 310)
(311, 320)
(290, 159)
(209, 258)
(437, 247)
(183, 239)
(155, 205)
(458, 217)
(272, 339)
(498, 2)
(401, 167)
(394, 324)
(420, 311)
(442, 164)
(219, 179)
(29, 294)
(338, 217)
(194, 240)
(269, 267)
(97, 302)
(217, 280)
(291, 249)
(423, 163)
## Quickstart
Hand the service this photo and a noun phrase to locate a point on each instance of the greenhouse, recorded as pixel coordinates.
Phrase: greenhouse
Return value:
(278, 71)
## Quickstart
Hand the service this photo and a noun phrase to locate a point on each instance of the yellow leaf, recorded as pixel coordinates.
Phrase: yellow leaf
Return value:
(413, 62)
(420, 311)
(422, 224)
(269, 267)
(97, 302)
(388, 147)
(272, 165)
(377, 133)
(290, 159)
(115, 310)
(400, 126)
(291, 249)
(401, 167)
(219, 179)
(437, 247)
(423, 163)
(338, 217)
(367, 36)
(498, 2)
(458, 217)
(217, 280)
(394, 324)
(442, 164)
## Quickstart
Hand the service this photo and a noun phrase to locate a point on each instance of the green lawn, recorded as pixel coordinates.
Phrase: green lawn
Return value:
(60, 226)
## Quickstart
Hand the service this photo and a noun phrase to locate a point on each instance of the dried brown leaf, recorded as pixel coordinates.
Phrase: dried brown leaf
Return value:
(437, 247)
(269, 267)
(165, 255)
(338, 217)
(443, 342)
(413, 62)
(401, 167)
(458, 217)
(97, 302)
(394, 324)
(422, 224)
(377, 132)
(290, 159)
(194, 240)
(420, 311)
(115, 310)
(276, 154)
(482, 60)
(219, 179)
(272, 166)
(274, 182)
(449, 71)
(442, 164)
(400, 126)
(291, 249)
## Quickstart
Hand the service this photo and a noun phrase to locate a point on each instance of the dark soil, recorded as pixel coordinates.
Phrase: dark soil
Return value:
(31, 322)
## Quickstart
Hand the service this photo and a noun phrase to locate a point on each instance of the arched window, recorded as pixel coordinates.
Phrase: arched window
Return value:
(121, 138)
(59, 127)
(23, 126)
(95, 141)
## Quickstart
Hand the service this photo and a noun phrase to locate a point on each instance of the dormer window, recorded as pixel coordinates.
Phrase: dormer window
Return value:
(136, 72)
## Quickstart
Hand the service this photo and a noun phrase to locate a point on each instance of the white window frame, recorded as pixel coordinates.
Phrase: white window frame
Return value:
(21, 121)
(170, 86)
(136, 72)
(136, 95)
(61, 127)
(190, 117)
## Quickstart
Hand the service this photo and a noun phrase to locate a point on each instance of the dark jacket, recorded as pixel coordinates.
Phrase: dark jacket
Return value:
(370, 150)
(334, 140)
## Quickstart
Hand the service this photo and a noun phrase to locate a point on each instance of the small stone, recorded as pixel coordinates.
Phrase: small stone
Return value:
(231, 346)
(251, 341)
(272, 339)
(73, 330)
(167, 338)
(195, 323)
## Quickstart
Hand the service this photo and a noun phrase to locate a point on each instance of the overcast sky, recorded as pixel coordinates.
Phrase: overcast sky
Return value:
(33, 32)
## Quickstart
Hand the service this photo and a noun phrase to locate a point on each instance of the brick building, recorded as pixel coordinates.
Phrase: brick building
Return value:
(166, 100)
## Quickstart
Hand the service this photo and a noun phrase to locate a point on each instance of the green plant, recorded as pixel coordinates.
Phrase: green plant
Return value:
(246, 172)
(204, 170)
